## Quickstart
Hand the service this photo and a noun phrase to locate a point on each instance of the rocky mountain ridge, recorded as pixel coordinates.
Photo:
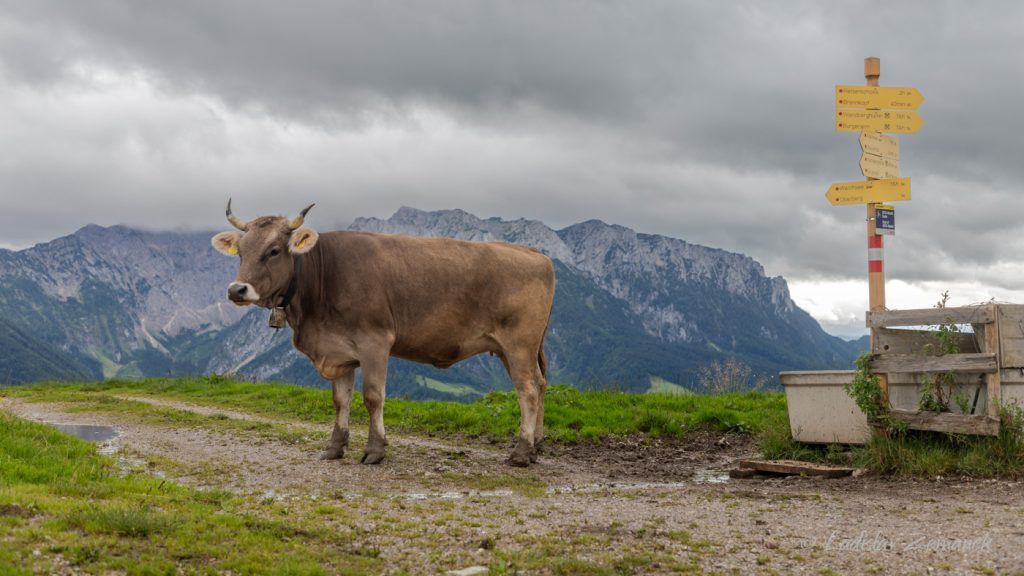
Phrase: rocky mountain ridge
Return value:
(631, 308)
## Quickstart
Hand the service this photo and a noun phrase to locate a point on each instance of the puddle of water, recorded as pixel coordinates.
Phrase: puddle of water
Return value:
(88, 431)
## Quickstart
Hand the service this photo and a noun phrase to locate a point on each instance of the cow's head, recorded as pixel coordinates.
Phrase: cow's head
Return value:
(265, 247)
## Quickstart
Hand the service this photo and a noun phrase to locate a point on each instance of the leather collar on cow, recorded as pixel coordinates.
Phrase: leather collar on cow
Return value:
(277, 314)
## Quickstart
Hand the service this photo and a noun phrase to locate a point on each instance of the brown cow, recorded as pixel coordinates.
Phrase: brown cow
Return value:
(353, 299)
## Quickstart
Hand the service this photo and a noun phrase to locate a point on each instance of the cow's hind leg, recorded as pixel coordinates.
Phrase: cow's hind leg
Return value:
(341, 389)
(529, 383)
(375, 373)
(538, 429)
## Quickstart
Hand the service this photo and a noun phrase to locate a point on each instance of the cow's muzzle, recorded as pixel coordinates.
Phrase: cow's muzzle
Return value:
(242, 293)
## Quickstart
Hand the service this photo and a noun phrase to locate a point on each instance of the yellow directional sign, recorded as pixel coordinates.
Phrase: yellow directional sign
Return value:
(878, 97)
(880, 145)
(869, 191)
(877, 121)
(878, 167)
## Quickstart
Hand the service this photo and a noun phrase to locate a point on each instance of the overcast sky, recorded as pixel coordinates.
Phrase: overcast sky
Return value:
(707, 121)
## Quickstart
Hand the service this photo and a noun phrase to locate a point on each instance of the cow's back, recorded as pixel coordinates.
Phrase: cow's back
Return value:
(442, 299)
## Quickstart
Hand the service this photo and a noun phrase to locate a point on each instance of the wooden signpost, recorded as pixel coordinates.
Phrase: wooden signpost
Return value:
(880, 145)
(993, 350)
(878, 98)
(869, 191)
(879, 167)
(877, 121)
(872, 110)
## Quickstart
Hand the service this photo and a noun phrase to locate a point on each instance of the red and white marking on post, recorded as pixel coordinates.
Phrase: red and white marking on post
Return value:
(876, 254)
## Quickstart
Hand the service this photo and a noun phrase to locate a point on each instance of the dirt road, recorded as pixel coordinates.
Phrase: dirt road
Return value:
(628, 506)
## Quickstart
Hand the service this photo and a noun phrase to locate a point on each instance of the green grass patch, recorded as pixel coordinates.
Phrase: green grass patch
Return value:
(81, 399)
(448, 388)
(570, 415)
(137, 522)
(927, 454)
(62, 501)
(661, 386)
(911, 453)
(282, 401)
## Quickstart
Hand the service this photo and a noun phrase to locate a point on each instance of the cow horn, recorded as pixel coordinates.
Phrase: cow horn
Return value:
(297, 221)
(235, 220)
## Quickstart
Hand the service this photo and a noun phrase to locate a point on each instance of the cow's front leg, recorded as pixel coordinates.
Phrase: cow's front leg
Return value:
(375, 373)
(341, 391)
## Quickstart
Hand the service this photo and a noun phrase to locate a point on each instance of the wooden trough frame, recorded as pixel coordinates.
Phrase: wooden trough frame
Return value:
(995, 347)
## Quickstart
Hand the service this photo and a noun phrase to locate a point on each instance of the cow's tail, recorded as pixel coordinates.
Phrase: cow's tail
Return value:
(542, 360)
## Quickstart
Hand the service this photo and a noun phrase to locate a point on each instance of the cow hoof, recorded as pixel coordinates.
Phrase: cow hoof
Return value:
(372, 458)
(518, 460)
(332, 453)
(522, 455)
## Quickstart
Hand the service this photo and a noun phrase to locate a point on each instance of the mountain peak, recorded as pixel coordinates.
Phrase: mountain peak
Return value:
(126, 302)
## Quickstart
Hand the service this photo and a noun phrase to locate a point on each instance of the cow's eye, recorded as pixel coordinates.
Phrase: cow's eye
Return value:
(273, 252)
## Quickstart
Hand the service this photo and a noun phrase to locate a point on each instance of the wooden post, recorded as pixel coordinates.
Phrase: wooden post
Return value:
(876, 272)
(876, 245)
(993, 380)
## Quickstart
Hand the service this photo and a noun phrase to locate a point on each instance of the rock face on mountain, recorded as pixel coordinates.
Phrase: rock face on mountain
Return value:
(631, 309)
(650, 272)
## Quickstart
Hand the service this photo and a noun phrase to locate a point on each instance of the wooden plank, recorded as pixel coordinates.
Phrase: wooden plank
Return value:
(889, 341)
(1011, 335)
(1011, 319)
(947, 422)
(930, 316)
(903, 363)
(795, 467)
(992, 381)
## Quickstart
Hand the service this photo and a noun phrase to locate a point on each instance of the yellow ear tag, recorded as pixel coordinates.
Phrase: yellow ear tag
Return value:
(301, 244)
(233, 250)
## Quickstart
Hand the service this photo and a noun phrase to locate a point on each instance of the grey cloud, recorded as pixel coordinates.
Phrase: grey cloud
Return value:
(744, 83)
(707, 121)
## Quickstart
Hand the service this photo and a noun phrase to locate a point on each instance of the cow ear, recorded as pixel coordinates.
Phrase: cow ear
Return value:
(302, 240)
(227, 243)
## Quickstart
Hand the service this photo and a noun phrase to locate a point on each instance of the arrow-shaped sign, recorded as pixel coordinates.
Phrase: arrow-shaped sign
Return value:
(877, 121)
(869, 191)
(880, 145)
(873, 166)
(878, 97)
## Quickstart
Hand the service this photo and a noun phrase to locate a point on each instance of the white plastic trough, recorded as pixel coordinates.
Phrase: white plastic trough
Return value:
(821, 412)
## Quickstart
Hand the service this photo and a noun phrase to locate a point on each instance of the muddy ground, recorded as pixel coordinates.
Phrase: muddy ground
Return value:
(631, 505)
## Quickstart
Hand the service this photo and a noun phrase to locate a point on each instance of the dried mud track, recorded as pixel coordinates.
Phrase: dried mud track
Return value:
(628, 506)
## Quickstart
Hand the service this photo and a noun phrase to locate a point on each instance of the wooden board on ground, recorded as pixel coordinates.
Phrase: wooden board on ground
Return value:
(947, 422)
(795, 467)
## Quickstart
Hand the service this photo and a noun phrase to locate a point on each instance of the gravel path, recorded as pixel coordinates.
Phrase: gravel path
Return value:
(629, 505)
